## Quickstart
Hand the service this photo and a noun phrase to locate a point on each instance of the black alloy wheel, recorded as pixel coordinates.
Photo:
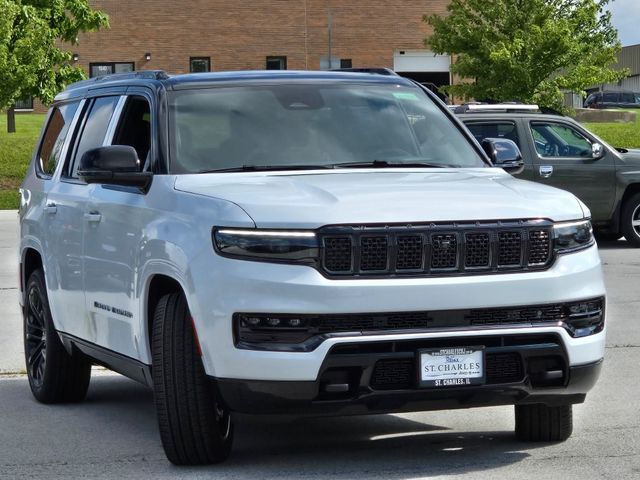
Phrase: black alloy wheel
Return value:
(54, 374)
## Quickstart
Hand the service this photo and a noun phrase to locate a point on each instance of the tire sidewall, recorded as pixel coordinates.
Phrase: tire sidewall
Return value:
(631, 207)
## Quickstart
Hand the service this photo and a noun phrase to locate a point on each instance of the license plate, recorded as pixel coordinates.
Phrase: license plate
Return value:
(451, 367)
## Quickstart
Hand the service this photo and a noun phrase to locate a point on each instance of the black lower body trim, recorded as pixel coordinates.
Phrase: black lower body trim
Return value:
(256, 396)
(127, 366)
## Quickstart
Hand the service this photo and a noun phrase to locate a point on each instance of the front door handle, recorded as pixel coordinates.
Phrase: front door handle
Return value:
(51, 208)
(546, 171)
(93, 217)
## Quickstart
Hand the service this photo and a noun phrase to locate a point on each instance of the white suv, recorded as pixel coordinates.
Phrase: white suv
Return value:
(299, 242)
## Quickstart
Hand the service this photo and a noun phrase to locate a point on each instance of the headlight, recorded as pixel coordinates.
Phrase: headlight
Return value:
(290, 246)
(571, 236)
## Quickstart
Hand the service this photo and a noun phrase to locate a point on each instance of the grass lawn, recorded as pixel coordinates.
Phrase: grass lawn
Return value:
(618, 134)
(15, 153)
(16, 148)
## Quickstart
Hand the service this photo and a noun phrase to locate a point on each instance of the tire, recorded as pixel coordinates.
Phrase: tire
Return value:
(631, 214)
(541, 423)
(54, 375)
(194, 426)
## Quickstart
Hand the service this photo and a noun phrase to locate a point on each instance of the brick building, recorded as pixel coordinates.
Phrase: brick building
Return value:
(180, 36)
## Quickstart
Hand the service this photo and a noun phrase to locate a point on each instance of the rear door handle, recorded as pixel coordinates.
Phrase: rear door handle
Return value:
(546, 171)
(51, 208)
(93, 217)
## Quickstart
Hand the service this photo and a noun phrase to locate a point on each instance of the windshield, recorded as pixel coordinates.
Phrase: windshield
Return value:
(310, 125)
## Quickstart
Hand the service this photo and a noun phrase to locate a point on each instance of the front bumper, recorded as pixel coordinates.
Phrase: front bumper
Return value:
(273, 397)
(219, 287)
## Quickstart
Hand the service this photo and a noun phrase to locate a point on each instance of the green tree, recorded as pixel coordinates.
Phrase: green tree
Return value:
(33, 61)
(526, 50)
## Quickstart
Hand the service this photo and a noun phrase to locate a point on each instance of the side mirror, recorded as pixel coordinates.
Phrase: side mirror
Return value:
(597, 151)
(114, 165)
(504, 153)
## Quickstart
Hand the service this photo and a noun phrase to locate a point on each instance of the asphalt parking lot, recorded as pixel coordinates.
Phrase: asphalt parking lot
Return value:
(114, 435)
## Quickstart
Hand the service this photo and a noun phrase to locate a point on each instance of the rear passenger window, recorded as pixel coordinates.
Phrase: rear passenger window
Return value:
(54, 137)
(94, 129)
(506, 130)
(134, 128)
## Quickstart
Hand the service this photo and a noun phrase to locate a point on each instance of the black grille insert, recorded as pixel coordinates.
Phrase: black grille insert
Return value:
(393, 373)
(435, 249)
(444, 251)
(509, 249)
(478, 250)
(337, 254)
(539, 247)
(373, 251)
(504, 368)
(410, 252)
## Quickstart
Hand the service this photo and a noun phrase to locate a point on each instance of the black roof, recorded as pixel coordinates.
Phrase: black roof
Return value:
(160, 78)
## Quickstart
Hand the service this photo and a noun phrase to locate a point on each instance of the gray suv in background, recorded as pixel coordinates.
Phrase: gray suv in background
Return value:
(560, 152)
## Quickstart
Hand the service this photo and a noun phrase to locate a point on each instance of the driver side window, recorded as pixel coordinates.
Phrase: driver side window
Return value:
(558, 140)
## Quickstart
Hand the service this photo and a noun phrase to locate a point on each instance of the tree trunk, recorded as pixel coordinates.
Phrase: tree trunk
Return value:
(11, 119)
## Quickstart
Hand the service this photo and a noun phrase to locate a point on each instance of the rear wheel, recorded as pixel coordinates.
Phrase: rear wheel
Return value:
(54, 375)
(541, 423)
(630, 220)
(195, 428)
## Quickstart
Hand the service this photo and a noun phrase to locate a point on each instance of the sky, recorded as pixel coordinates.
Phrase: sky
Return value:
(626, 18)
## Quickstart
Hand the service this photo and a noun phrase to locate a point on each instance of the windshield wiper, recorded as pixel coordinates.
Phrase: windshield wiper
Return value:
(387, 164)
(267, 168)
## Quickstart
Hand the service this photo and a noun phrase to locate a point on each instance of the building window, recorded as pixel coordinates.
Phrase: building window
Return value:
(107, 68)
(199, 64)
(276, 63)
(24, 104)
(346, 63)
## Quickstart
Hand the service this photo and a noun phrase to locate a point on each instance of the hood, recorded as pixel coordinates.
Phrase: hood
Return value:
(311, 199)
(631, 157)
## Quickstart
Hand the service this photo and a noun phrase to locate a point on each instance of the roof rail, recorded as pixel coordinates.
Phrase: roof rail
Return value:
(507, 107)
(148, 74)
(142, 74)
(375, 70)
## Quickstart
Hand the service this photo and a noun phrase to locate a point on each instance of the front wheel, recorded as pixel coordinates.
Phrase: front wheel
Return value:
(630, 220)
(195, 427)
(542, 423)
(54, 375)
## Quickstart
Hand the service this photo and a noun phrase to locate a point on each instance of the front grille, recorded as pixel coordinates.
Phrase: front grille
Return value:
(444, 251)
(400, 373)
(509, 249)
(478, 250)
(503, 368)
(372, 322)
(436, 249)
(373, 251)
(505, 316)
(410, 252)
(393, 373)
(337, 254)
(539, 247)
